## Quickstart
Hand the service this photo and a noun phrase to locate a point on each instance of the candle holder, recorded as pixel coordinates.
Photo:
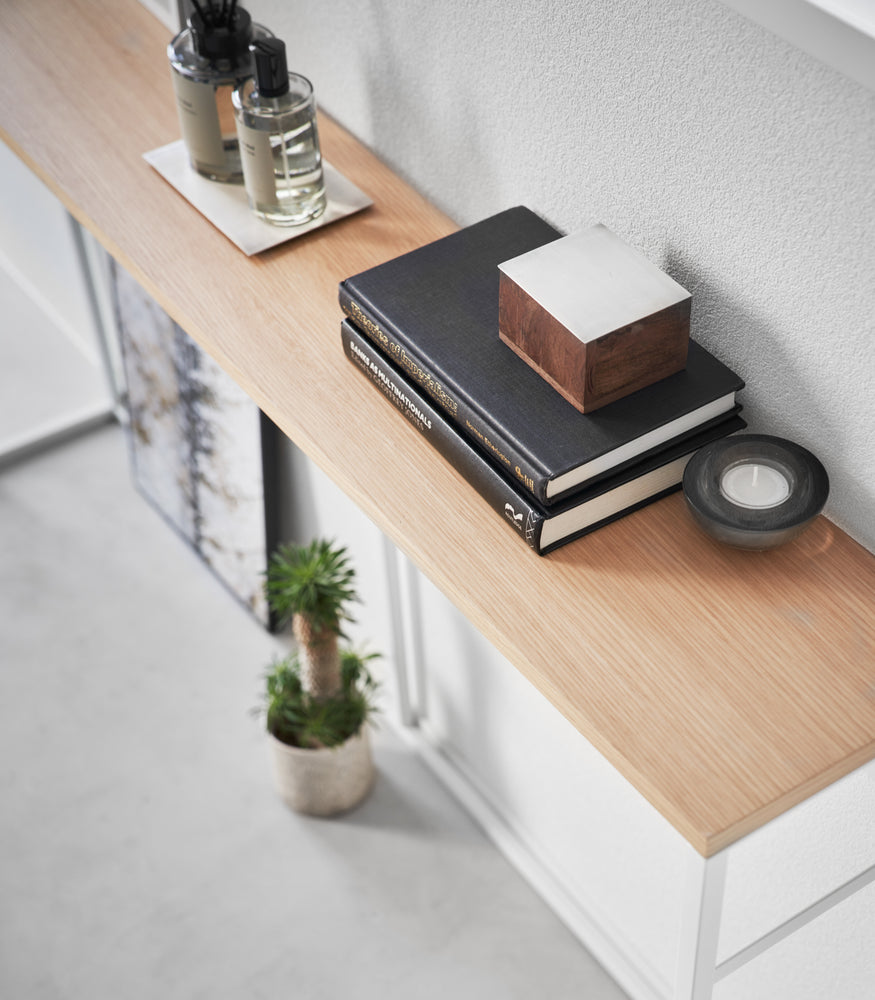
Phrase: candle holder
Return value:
(754, 491)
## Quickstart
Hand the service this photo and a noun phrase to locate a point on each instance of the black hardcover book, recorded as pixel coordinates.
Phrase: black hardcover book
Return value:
(541, 528)
(434, 312)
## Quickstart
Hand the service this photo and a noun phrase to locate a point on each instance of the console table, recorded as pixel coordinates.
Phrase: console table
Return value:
(726, 686)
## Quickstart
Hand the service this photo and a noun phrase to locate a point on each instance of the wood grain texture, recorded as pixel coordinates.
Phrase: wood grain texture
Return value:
(726, 686)
(637, 355)
(590, 374)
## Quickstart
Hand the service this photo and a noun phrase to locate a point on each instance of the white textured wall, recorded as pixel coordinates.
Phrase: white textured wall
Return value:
(741, 165)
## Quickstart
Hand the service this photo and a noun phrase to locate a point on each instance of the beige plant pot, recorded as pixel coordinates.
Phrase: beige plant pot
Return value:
(325, 781)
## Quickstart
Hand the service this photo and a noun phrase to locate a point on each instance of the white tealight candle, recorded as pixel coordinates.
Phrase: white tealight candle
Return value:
(753, 485)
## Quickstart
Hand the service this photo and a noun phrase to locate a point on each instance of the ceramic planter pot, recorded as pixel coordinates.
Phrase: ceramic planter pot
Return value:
(325, 781)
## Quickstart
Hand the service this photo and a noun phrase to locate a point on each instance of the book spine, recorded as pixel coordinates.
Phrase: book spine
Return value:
(525, 519)
(463, 415)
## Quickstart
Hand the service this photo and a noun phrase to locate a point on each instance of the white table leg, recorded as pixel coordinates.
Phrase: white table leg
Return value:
(700, 927)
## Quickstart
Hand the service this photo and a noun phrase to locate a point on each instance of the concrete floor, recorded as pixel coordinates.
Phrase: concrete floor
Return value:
(143, 852)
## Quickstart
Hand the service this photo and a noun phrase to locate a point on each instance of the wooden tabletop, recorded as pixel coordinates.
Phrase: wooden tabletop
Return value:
(725, 685)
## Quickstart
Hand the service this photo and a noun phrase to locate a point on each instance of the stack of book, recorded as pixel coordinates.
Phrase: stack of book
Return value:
(423, 328)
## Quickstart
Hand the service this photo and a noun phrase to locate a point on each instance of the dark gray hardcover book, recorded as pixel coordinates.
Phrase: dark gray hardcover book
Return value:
(541, 528)
(434, 312)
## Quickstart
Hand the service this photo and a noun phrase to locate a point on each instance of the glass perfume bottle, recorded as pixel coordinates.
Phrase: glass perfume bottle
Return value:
(279, 143)
(208, 59)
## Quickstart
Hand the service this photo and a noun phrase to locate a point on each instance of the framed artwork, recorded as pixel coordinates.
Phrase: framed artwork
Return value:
(201, 451)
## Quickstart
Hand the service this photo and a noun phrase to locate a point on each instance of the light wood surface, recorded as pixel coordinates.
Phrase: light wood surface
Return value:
(726, 686)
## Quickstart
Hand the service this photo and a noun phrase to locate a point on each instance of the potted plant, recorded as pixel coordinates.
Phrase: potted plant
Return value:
(317, 701)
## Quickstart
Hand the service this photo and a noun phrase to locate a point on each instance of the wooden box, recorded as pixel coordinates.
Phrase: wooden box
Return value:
(593, 316)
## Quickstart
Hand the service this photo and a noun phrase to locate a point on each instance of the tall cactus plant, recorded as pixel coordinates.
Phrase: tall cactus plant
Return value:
(313, 585)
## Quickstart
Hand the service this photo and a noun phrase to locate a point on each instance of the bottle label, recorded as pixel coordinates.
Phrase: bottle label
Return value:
(199, 121)
(258, 169)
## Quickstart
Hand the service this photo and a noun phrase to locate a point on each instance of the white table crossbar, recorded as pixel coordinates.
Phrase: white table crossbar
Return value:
(698, 970)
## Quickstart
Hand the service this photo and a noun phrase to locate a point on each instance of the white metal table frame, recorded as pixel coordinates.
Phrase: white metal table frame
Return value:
(697, 968)
(90, 259)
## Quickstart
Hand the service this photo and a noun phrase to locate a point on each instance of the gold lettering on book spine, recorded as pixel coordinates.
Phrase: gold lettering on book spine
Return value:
(487, 443)
(530, 483)
(424, 378)
(430, 384)
(403, 359)
(368, 325)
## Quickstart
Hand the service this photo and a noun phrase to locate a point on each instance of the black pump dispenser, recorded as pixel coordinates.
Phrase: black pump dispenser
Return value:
(215, 39)
(271, 69)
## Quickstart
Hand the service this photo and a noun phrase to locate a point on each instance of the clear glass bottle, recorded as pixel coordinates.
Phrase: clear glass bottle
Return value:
(208, 59)
(279, 142)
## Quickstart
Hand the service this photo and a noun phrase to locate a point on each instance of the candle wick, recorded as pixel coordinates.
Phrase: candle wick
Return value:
(756, 472)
